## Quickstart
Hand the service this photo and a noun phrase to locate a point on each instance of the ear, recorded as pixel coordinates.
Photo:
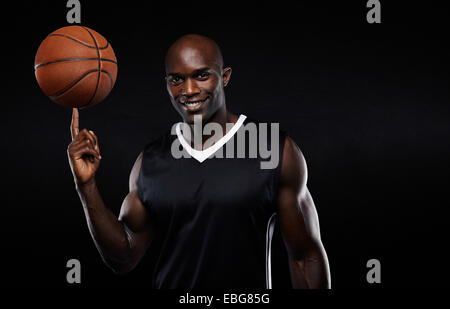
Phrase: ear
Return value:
(167, 85)
(226, 76)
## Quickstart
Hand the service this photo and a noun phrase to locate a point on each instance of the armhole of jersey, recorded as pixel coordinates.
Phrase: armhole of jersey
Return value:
(272, 220)
(277, 172)
(146, 151)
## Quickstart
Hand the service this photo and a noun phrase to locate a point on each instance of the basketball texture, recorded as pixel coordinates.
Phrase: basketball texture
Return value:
(75, 67)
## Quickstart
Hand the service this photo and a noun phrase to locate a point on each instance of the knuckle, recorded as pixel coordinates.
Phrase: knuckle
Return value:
(82, 138)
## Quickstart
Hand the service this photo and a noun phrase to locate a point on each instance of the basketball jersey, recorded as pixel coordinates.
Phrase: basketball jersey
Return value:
(211, 218)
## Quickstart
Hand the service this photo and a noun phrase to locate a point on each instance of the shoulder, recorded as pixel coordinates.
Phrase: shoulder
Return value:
(294, 171)
(273, 131)
(159, 141)
(152, 146)
(134, 175)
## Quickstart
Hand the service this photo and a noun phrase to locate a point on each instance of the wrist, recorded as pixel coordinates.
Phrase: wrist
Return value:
(83, 186)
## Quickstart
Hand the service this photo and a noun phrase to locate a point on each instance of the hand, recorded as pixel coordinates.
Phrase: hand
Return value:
(83, 152)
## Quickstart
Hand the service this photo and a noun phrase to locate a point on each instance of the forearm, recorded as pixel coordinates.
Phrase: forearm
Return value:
(106, 230)
(310, 271)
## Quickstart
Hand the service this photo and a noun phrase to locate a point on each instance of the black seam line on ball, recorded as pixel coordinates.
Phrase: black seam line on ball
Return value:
(78, 41)
(58, 94)
(99, 67)
(110, 77)
(72, 59)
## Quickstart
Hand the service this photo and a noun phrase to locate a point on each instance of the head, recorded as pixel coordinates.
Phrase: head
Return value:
(195, 77)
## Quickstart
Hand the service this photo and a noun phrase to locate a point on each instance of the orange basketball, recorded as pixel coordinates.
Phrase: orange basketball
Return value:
(75, 66)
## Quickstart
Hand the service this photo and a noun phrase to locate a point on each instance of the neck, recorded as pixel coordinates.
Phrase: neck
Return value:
(221, 117)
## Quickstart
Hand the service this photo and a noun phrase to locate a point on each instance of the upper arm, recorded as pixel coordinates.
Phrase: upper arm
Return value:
(297, 213)
(133, 213)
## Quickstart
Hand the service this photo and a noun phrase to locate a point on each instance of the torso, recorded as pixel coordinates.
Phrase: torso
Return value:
(210, 218)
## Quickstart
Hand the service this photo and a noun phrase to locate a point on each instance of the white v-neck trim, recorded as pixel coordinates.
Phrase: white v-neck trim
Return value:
(202, 155)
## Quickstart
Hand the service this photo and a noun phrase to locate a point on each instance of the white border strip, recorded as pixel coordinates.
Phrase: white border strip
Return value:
(269, 234)
(202, 155)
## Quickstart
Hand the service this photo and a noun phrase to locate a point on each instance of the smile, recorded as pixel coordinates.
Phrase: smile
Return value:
(193, 105)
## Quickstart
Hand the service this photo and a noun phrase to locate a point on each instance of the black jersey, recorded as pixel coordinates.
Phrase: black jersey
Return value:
(211, 217)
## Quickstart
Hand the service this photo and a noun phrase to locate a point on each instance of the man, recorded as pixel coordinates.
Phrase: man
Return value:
(206, 219)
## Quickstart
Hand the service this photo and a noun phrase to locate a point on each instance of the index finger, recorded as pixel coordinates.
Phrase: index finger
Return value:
(74, 125)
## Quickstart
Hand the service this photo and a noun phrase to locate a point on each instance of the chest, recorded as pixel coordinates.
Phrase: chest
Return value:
(215, 187)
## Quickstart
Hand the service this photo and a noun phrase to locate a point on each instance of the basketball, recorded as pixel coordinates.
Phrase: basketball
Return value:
(75, 67)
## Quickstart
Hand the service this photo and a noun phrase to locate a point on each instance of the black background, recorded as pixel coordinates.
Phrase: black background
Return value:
(368, 104)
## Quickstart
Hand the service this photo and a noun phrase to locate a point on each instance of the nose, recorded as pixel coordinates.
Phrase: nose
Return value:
(190, 88)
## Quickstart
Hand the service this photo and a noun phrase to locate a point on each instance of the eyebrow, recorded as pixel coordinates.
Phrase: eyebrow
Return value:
(173, 74)
(201, 70)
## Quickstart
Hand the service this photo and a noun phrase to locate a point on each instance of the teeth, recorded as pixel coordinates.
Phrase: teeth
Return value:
(195, 103)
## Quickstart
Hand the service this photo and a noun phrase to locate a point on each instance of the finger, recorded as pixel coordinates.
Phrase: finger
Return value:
(85, 135)
(85, 150)
(91, 154)
(78, 150)
(74, 125)
(97, 146)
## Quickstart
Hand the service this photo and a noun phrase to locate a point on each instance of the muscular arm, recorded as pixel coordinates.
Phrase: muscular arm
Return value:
(308, 261)
(120, 241)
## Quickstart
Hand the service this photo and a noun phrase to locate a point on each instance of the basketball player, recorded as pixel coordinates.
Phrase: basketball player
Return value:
(209, 222)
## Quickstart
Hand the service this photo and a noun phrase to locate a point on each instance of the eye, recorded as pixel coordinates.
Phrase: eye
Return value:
(203, 75)
(175, 80)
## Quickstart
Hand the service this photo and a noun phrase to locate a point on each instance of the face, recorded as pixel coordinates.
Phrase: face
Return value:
(195, 82)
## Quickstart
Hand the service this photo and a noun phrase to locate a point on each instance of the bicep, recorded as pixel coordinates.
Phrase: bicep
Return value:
(296, 209)
(133, 213)
(299, 222)
(133, 216)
